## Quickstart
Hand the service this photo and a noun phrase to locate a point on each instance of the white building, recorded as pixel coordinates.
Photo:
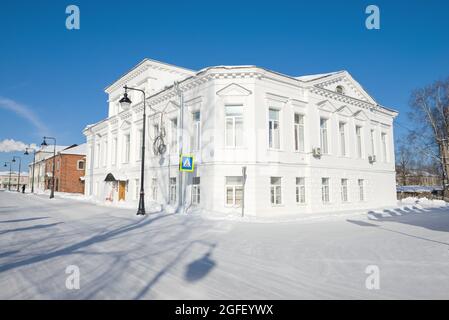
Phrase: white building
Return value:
(9, 180)
(310, 144)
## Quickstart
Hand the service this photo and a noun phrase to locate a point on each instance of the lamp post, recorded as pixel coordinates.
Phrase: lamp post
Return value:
(44, 144)
(9, 181)
(34, 161)
(125, 102)
(20, 165)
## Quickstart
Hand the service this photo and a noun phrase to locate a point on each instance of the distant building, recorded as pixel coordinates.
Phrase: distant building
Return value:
(4, 180)
(69, 170)
(417, 178)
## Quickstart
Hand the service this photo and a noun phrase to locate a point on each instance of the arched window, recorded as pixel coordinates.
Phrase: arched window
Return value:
(340, 89)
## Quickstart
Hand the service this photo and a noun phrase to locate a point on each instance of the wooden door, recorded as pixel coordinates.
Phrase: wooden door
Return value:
(121, 190)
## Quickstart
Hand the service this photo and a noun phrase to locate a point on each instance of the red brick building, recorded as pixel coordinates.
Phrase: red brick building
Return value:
(70, 165)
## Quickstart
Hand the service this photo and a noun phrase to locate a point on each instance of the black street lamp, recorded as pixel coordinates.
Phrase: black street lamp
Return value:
(44, 144)
(34, 161)
(9, 181)
(20, 165)
(125, 102)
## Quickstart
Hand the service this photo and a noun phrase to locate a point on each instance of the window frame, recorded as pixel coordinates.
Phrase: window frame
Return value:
(276, 192)
(344, 190)
(325, 190)
(324, 135)
(271, 129)
(234, 188)
(299, 132)
(233, 117)
(300, 188)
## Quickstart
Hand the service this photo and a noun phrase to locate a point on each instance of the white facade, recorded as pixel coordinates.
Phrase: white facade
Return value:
(274, 125)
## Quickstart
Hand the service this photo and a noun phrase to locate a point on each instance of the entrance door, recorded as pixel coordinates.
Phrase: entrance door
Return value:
(121, 190)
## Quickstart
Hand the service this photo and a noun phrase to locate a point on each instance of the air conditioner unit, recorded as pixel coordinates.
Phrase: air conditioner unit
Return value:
(372, 159)
(316, 152)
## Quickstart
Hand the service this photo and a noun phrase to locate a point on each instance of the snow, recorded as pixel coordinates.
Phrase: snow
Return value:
(198, 256)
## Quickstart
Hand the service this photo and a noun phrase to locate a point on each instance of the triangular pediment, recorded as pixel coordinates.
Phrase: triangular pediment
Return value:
(345, 111)
(361, 115)
(233, 90)
(326, 105)
(125, 125)
(344, 80)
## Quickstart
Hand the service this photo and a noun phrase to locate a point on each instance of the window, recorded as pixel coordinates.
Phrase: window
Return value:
(274, 136)
(340, 89)
(172, 191)
(195, 190)
(344, 190)
(234, 126)
(299, 132)
(276, 190)
(136, 189)
(361, 190)
(196, 143)
(234, 191)
(373, 150)
(139, 145)
(341, 129)
(358, 134)
(300, 190)
(154, 189)
(155, 135)
(174, 135)
(325, 190)
(384, 147)
(80, 165)
(114, 151)
(323, 136)
(126, 143)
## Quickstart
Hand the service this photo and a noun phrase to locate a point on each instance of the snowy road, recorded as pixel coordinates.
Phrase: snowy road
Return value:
(169, 256)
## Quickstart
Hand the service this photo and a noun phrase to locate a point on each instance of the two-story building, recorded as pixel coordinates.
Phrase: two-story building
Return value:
(309, 144)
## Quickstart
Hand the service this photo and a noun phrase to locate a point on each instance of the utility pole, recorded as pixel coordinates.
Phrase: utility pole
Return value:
(180, 146)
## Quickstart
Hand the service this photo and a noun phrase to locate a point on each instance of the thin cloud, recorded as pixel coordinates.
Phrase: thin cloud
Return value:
(11, 145)
(24, 112)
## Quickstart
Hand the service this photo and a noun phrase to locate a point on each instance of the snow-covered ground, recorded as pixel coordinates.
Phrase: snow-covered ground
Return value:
(197, 256)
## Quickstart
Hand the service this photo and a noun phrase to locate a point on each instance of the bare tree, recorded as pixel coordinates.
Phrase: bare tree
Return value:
(404, 160)
(430, 113)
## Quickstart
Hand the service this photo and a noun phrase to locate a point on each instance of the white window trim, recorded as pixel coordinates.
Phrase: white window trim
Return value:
(280, 128)
(296, 136)
(234, 136)
(326, 120)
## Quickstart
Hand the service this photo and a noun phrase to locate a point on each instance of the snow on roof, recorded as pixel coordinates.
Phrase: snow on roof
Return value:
(49, 148)
(418, 189)
(312, 77)
(80, 150)
(6, 173)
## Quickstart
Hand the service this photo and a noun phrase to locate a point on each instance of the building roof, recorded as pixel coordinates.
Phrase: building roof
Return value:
(312, 77)
(49, 148)
(79, 150)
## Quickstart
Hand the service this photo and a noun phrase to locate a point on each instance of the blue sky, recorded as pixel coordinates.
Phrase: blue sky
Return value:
(54, 77)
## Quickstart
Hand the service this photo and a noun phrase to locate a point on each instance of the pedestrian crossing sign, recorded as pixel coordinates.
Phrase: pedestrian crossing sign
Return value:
(186, 163)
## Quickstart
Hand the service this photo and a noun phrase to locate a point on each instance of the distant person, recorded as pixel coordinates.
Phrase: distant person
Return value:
(23, 188)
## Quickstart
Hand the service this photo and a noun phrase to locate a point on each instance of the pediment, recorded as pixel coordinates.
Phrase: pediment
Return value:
(234, 90)
(351, 87)
(125, 125)
(345, 111)
(361, 115)
(326, 105)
